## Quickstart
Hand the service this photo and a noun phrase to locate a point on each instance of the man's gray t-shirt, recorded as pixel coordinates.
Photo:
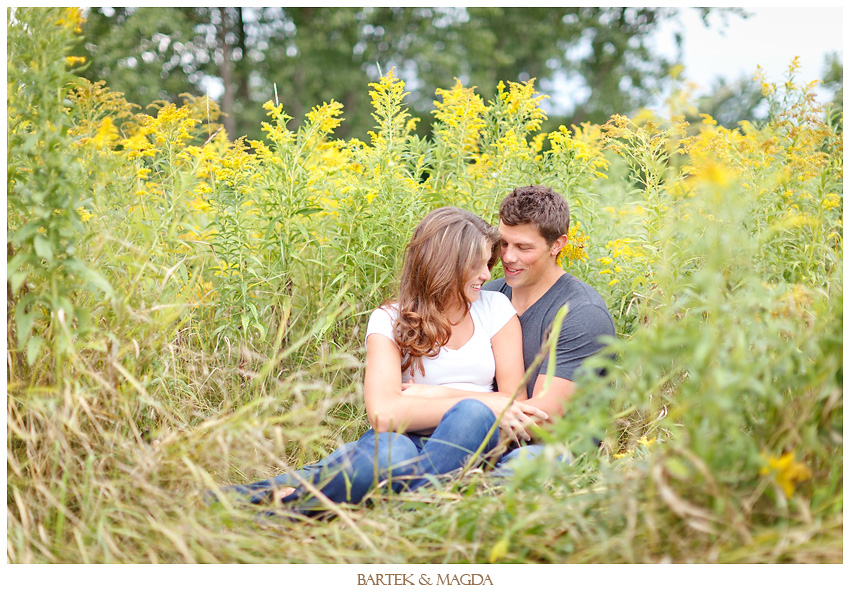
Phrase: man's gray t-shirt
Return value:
(588, 319)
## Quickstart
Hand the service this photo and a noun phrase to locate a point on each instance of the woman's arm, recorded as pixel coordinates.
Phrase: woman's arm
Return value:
(387, 407)
(507, 351)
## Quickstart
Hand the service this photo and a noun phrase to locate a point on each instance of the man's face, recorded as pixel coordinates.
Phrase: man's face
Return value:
(526, 256)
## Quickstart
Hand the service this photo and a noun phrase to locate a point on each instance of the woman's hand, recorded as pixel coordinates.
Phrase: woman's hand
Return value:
(518, 417)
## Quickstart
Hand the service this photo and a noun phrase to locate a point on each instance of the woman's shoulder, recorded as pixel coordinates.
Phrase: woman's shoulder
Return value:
(388, 311)
(382, 320)
(493, 309)
(493, 300)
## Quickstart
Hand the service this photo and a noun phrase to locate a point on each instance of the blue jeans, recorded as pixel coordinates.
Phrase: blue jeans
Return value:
(406, 461)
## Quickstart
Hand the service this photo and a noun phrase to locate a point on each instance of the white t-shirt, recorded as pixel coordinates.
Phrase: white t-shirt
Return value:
(471, 367)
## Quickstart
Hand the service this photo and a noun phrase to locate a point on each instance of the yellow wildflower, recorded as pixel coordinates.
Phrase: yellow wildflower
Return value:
(831, 201)
(72, 18)
(574, 248)
(324, 117)
(787, 472)
(74, 60)
(106, 133)
(461, 114)
(645, 442)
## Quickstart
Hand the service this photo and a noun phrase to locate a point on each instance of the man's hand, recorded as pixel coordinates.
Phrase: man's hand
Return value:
(518, 417)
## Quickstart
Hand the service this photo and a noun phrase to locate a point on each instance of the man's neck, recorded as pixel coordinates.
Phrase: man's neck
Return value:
(523, 298)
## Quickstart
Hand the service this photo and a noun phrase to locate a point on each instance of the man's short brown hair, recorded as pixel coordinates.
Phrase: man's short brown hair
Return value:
(538, 205)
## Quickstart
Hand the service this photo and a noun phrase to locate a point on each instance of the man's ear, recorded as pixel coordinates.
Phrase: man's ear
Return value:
(558, 245)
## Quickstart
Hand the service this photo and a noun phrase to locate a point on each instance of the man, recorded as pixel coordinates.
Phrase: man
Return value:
(534, 222)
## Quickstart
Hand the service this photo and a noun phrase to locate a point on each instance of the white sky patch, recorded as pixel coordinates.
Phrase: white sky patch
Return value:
(770, 38)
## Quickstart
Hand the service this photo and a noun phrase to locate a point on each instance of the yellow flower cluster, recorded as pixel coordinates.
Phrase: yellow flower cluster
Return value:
(171, 127)
(584, 145)
(106, 135)
(786, 471)
(625, 248)
(643, 442)
(324, 118)
(520, 101)
(574, 248)
(72, 19)
(461, 114)
(831, 201)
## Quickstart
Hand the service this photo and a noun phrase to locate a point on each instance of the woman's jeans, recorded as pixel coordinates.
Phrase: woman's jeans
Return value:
(406, 461)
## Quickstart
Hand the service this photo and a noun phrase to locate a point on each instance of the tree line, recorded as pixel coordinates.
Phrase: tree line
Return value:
(306, 56)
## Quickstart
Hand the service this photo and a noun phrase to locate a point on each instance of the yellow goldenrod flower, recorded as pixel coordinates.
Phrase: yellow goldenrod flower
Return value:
(324, 117)
(72, 18)
(831, 201)
(787, 472)
(106, 133)
(645, 442)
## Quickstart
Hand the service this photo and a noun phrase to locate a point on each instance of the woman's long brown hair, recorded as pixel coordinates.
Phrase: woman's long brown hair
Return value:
(444, 248)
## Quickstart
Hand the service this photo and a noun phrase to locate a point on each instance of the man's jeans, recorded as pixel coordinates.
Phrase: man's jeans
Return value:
(407, 461)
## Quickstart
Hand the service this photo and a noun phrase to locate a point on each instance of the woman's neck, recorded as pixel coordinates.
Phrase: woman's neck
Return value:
(456, 313)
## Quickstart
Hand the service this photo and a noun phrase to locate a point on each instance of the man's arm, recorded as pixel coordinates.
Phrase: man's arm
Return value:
(554, 399)
(579, 339)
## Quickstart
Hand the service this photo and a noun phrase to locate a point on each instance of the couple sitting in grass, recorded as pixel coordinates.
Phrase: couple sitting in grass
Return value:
(444, 360)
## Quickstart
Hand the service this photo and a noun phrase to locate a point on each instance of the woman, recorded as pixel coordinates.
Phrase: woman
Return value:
(431, 358)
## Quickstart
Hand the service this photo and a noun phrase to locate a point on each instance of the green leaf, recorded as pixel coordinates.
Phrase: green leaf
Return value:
(260, 329)
(34, 348)
(91, 276)
(15, 263)
(17, 279)
(29, 143)
(24, 319)
(25, 231)
(42, 248)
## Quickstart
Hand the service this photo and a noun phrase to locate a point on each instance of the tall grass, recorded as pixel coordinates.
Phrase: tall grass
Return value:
(186, 311)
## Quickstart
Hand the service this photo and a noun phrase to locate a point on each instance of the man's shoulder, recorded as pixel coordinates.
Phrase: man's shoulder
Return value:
(581, 297)
(575, 291)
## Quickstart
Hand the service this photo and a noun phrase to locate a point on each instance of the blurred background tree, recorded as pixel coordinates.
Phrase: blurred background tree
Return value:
(243, 56)
(833, 80)
(730, 102)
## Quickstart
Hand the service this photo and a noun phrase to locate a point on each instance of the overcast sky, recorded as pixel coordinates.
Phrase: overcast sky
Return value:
(771, 37)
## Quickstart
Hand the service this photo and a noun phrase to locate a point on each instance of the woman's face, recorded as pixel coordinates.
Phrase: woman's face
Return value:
(479, 274)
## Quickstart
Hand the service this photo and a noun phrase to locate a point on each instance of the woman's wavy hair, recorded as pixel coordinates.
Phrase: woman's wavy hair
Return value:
(440, 256)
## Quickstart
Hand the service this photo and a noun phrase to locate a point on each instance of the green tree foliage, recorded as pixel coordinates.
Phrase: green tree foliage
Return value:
(318, 54)
(833, 80)
(731, 102)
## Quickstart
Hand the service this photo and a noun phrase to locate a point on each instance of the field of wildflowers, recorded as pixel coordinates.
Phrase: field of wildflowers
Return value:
(186, 310)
